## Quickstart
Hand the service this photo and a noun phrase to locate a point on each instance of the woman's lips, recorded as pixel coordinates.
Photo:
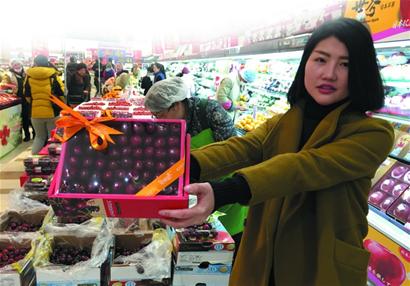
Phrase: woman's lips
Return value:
(326, 88)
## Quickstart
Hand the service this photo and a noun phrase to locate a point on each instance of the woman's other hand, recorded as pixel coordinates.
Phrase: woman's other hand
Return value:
(195, 215)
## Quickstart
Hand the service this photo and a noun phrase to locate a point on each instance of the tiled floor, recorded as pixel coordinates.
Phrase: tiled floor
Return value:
(11, 168)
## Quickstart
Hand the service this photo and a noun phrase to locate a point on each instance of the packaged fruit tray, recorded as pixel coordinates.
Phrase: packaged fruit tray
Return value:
(390, 186)
(106, 182)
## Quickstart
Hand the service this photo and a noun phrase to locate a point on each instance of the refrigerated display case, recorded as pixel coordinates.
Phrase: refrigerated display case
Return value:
(10, 123)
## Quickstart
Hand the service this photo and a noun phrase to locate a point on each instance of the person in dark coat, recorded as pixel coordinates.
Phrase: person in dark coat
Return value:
(17, 75)
(146, 81)
(159, 72)
(79, 87)
(70, 69)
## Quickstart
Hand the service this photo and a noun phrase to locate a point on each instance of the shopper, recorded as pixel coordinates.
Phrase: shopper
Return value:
(119, 68)
(135, 75)
(305, 174)
(207, 122)
(146, 81)
(70, 69)
(159, 72)
(108, 72)
(98, 75)
(17, 75)
(231, 88)
(41, 81)
(80, 87)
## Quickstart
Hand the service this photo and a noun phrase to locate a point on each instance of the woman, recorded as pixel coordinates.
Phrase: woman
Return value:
(17, 78)
(159, 72)
(41, 81)
(305, 174)
(79, 87)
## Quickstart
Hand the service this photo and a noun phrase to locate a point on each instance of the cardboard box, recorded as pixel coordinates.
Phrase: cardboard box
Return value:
(134, 272)
(25, 275)
(33, 217)
(103, 201)
(217, 250)
(53, 275)
(185, 278)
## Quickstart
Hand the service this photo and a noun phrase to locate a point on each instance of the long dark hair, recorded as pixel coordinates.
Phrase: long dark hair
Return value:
(365, 83)
(161, 68)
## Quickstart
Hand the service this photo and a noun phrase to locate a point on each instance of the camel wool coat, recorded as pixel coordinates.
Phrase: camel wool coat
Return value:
(307, 215)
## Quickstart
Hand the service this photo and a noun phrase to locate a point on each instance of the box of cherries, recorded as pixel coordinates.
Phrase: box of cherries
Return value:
(22, 221)
(106, 182)
(16, 251)
(390, 186)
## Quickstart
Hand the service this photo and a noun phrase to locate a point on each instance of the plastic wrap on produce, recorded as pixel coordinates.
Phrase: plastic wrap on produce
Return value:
(100, 246)
(154, 260)
(93, 225)
(130, 225)
(19, 200)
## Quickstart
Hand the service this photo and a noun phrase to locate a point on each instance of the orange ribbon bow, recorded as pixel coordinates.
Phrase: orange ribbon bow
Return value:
(75, 122)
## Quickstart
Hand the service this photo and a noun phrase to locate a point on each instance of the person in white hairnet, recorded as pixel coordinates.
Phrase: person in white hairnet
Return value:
(167, 99)
(207, 122)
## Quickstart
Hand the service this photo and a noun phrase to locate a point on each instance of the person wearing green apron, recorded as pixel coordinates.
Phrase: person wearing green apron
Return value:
(207, 122)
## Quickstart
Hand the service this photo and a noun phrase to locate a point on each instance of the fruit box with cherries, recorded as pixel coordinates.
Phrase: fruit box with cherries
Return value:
(209, 243)
(16, 251)
(394, 182)
(105, 183)
(155, 268)
(23, 221)
(69, 262)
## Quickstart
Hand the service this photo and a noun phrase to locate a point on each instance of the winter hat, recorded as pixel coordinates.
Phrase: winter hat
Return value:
(41, 61)
(165, 93)
(248, 75)
(185, 70)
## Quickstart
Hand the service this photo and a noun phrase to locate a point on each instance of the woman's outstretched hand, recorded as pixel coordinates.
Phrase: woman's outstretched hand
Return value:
(195, 215)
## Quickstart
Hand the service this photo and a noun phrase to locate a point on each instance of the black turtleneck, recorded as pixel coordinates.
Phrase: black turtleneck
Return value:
(236, 189)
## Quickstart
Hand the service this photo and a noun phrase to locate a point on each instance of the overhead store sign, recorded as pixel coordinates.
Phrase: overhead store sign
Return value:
(385, 18)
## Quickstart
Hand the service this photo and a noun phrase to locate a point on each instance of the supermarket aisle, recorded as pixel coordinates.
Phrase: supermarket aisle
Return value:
(11, 168)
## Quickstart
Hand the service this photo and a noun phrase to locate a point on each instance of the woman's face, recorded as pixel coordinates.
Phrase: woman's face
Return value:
(327, 72)
(155, 69)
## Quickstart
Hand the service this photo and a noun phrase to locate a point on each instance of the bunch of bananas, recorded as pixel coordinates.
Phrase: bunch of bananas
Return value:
(247, 122)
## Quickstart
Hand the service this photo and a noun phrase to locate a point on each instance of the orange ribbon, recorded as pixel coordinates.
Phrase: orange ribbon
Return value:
(75, 122)
(163, 180)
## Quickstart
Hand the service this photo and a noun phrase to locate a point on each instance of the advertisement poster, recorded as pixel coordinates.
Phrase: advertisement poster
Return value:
(385, 18)
(389, 262)
(10, 129)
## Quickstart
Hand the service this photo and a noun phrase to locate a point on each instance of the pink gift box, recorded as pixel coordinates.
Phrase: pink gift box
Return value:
(72, 197)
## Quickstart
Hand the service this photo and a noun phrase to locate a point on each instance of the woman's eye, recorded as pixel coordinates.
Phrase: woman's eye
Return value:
(345, 64)
(320, 60)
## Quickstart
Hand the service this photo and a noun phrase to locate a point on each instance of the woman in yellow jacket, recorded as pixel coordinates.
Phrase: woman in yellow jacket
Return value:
(41, 81)
(306, 174)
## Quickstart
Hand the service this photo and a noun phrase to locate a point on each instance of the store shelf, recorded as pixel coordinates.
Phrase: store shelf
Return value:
(389, 227)
(276, 95)
(393, 118)
(398, 83)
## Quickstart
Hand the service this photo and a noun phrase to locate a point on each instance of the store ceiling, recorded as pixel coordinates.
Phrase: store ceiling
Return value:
(136, 22)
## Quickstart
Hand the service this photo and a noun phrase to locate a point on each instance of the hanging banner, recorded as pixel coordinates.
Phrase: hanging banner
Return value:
(385, 18)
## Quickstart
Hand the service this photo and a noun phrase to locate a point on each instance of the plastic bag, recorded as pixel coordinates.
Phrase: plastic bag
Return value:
(130, 225)
(154, 260)
(74, 235)
(21, 200)
(93, 225)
